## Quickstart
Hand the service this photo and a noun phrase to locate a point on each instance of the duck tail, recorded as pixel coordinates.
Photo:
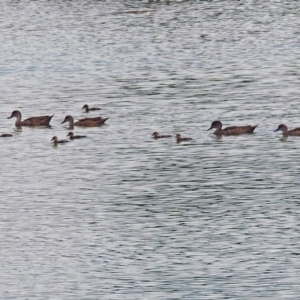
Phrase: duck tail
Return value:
(104, 120)
(253, 127)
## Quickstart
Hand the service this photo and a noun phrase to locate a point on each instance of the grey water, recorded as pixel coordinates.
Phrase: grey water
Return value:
(118, 215)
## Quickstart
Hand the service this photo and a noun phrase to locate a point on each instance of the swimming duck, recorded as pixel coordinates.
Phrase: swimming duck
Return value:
(286, 132)
(57, 141)
(72, 136)
(232, 130)
(87, 122)
(156, 135)
(6, 135)
(87, 108)
(34, 121)
(182, 139)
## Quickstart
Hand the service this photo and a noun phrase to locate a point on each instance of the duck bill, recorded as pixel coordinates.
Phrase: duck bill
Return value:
(10, 117)
(276, 130)
(64, 121)
(209, 129)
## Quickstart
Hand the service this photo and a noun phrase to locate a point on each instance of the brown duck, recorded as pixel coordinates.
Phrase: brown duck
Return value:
(286, 132)
(57, 141)
(232, 130)
(156, 135)
(34, 121)
(6, 135)
(72, 136)
(87, 108)
(182, 139)
(87, 122)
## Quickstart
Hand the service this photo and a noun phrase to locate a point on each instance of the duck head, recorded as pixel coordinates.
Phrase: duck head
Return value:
(68, 119)
(15, 114)
(216, 125)
(281, 127)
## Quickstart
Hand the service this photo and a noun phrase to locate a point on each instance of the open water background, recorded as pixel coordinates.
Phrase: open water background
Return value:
(121, 216)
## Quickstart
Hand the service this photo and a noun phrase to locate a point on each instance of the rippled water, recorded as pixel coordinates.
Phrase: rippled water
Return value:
(121, 216)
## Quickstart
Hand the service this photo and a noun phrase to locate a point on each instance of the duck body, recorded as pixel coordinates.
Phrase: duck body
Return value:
(6, 135)
(72, 136)
(33, 121)
(286, 132)
(88, 109)
(179, 138)
(156, 136)
(231, 130)
(87, 122)
(56, 141)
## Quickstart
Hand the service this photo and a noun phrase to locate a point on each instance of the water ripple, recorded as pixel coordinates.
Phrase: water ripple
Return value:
(121, 216)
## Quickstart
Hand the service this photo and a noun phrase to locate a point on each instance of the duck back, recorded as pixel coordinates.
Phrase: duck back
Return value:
(235, 130)
(37, 121)
(90, 122)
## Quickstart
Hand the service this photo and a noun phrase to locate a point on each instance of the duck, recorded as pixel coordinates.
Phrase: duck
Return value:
(232, 130)
(6, 135)
(33, 121)
(57, 141)
(182, 139)
(286, 132)
(156, 135)
(87, 108)
(87, 122)
(72, 136)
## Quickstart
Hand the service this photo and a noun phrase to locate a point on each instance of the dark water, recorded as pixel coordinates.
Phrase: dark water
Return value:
(121, 216)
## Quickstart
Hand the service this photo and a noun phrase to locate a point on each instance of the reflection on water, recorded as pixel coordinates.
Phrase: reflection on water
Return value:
(118, 215)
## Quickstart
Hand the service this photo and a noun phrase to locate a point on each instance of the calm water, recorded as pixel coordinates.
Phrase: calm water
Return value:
(119, 215)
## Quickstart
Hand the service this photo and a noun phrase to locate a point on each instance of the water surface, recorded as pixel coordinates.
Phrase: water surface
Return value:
(121, 216)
